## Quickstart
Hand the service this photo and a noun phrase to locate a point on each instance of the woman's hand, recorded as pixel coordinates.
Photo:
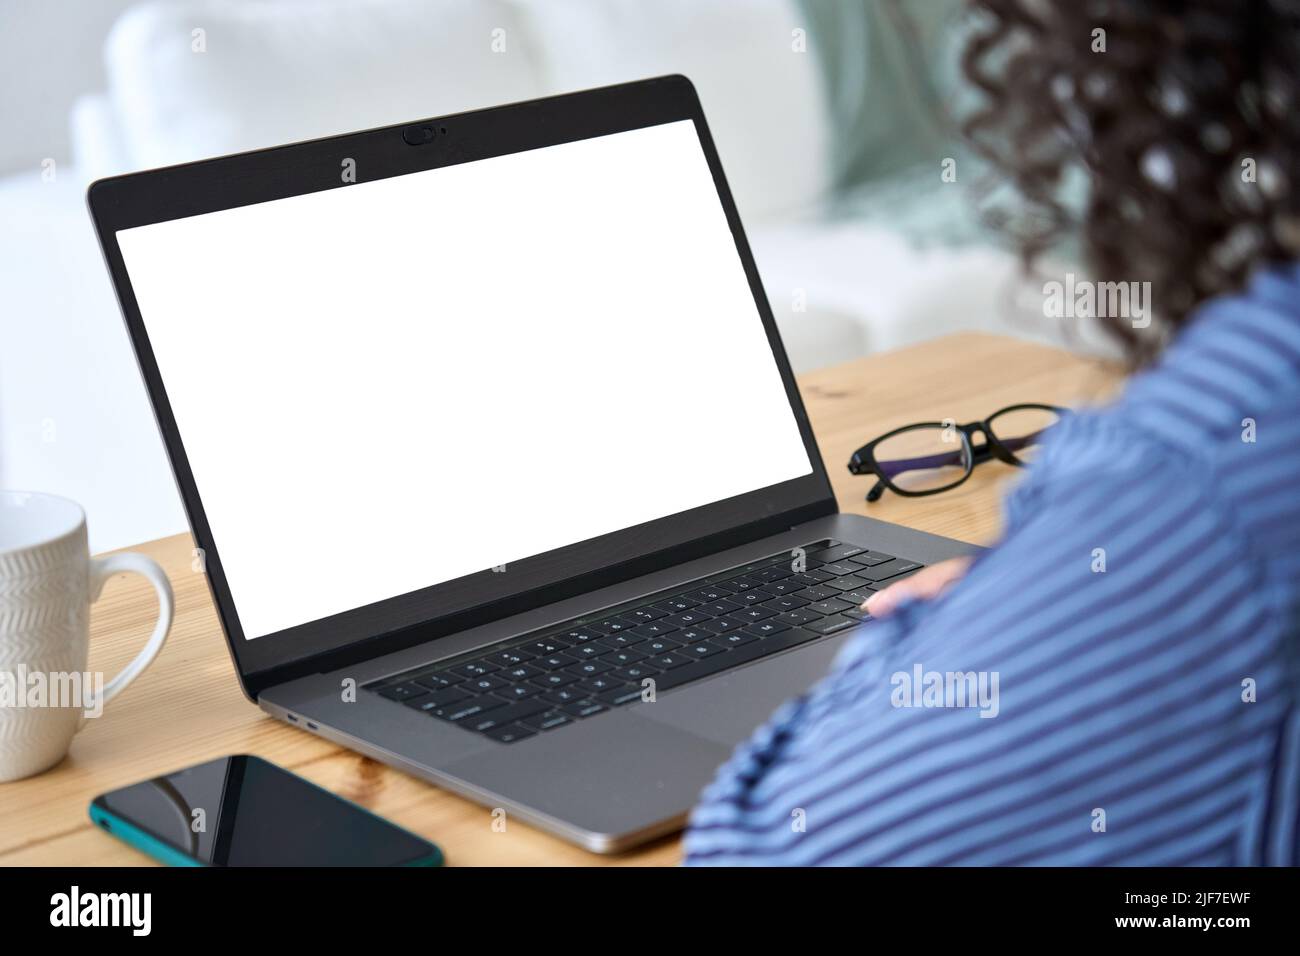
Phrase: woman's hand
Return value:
(926, 584)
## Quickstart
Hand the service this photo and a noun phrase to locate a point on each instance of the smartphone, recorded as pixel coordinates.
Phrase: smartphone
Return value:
(245, 811)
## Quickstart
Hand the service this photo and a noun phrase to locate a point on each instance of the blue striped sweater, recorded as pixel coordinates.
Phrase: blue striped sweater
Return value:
(1140, 617)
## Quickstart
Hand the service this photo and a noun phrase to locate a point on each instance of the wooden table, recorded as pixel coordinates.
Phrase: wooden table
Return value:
(188, 708)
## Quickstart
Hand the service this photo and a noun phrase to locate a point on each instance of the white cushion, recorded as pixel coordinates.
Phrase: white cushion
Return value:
(276, 73)
(764, 102)
(74, 416)
(97, 147)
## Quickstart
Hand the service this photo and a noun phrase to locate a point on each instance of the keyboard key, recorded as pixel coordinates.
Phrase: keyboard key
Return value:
(811, 562)
(645, 614)
(880, 585)
(783, 587)
(675, 604)
(739, 584)
(554, 679)
(621, 639)
(435, 701)
(788, 603)
(840, 569)
(578, 635)
(516, 655)
(432, 708)
(836, 553)
(701, 651)
(730, 639)
(668, 661)
(598, 685)
(812, 577)
(870, 559)
(857, 614)
(481, 685)
(764, 629)
(620, 696)
(889, 569)
(467, 708)
(754, 614)
(590, 668)
(613, 625)
(832, 606)
(506, 714)
(565, 695)
(850, 582)
(510, 733)
(402, 691)
(710, 594)
(829, 625)
(755, 596)
(796, 618)
(475, 668)
(721, 625)
(547, 646)
(654, 629)
(719, 608)
(661, 645)
(776, 572)
(590, 651)
(554, 662)
(858, 597)
(437, 681)
(635, 673)
(818, 593)
(686, 619)
(691, 636)
(547, 721)
(621, 658)
(521, 672)
(518, 691)
(584, 708)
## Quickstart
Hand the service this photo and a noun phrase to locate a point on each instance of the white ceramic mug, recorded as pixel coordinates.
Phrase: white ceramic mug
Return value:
(47, 583)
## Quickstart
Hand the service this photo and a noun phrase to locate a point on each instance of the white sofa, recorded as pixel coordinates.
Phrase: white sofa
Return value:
(74, 418)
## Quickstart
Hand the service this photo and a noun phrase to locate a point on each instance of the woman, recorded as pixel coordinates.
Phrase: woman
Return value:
(1140, 612)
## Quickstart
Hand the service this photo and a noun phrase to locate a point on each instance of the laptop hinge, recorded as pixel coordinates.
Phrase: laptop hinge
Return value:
(403, 638)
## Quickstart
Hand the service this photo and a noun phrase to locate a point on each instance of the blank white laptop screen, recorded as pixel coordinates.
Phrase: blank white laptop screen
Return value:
(392, 384)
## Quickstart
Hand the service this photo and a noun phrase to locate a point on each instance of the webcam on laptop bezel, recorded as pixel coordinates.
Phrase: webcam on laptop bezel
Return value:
(421, 134)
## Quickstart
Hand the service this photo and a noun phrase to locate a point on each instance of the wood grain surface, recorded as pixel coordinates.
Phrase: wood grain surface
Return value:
(188, 707)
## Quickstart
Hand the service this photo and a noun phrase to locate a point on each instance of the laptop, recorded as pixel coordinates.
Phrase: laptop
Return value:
(491, 452)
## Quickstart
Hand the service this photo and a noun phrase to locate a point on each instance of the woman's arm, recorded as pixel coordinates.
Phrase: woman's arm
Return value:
(1102, 649)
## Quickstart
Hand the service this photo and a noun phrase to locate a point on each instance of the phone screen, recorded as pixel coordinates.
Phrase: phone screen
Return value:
(244, 811)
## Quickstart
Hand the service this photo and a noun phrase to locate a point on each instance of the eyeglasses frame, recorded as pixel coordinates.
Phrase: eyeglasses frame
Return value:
(863, 461)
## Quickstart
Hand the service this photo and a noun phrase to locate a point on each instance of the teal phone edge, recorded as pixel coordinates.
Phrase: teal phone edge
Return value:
(148, 844)
(138, 839)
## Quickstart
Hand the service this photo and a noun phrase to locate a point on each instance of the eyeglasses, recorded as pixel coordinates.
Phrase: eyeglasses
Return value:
(930, 457)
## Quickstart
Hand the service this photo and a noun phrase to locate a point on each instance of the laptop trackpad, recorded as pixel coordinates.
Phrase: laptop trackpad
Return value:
(729, 707)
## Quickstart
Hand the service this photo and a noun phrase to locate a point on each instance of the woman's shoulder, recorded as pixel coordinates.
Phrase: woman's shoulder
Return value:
(1236, 363)
(1218, 417)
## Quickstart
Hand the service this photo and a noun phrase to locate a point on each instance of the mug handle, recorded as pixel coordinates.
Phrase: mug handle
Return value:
(101, 569)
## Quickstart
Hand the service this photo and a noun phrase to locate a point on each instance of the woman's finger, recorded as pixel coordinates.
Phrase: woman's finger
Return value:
(926, 584)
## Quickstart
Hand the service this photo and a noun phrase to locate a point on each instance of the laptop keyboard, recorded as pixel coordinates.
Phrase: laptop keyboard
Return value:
(552, 677)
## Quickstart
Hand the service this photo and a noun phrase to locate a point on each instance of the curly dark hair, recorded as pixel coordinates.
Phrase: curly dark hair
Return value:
(1183, 118)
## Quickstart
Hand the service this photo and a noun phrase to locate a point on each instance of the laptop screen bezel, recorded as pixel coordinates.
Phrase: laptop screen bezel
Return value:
(175, 192)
